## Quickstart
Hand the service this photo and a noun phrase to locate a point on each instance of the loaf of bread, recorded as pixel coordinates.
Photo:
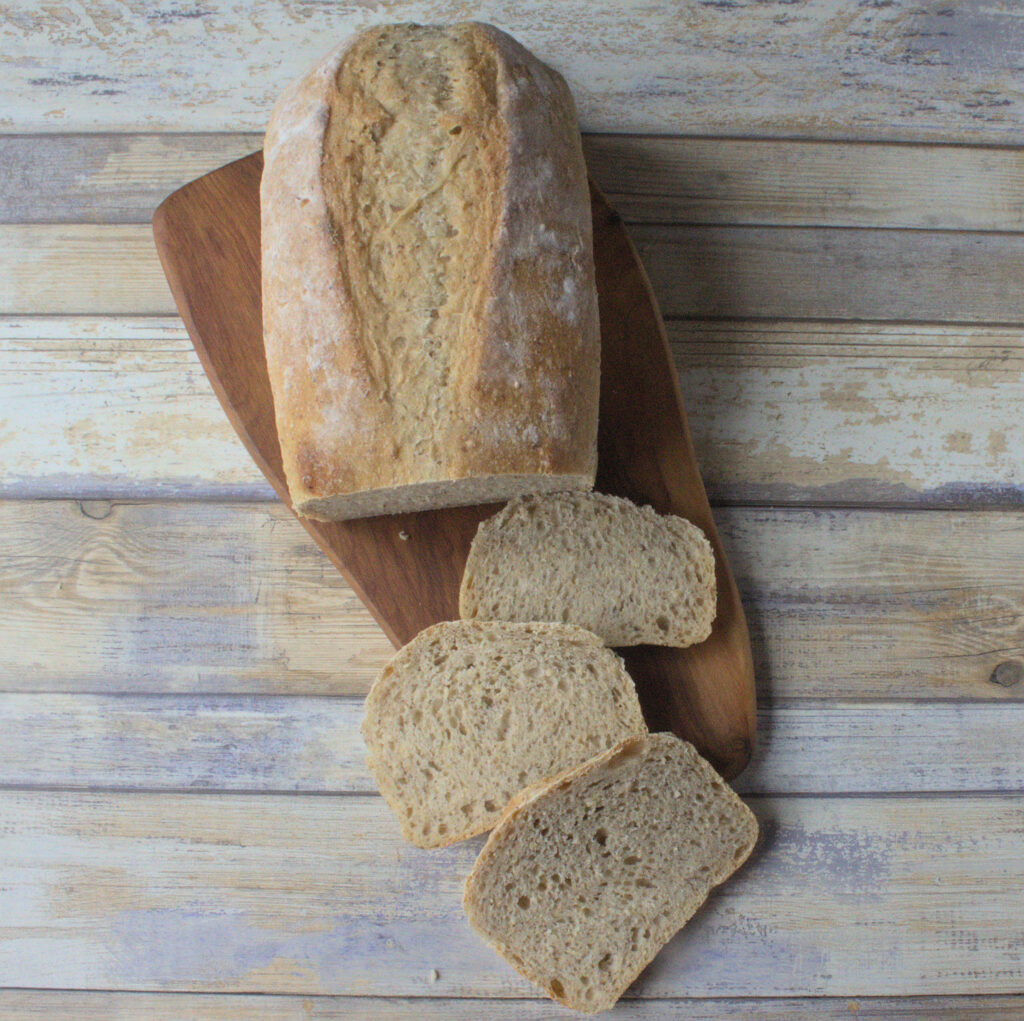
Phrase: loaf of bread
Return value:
(587, 876)
(626, 573)
(429, 307)
(468, 714)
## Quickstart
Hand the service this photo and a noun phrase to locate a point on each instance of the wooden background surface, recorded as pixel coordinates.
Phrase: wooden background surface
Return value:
(829, 197)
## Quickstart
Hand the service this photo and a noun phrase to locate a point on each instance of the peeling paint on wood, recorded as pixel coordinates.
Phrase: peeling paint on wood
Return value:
(855, 413)
(106, 269)
(108, 407)
(281, 894)
(175, 604)
(780, 412)
(827, 69)
(105, 178)
(312, 745)
(216, 598)
(822, 273)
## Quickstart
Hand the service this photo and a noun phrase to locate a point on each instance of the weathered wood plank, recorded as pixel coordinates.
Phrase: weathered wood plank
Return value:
(105, 178)
(895, 70)
(159, 597)
(788, 183)
(242, 743)
(823, 273)
(312, 745)
(793, 412)
(697, 272)
(81, 1005)
(105, 269)
(854, 413)
(100, 407)
(214, 598)
(318, 894)
(121, 178)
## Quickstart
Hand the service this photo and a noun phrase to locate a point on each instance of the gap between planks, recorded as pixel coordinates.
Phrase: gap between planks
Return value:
(781, 412)
(312, 745)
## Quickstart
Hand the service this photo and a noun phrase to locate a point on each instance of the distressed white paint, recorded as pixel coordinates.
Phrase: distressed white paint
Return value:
(825, 273)
(120, 178)
(847, 413)
(844, 896)
(222, 598)
(311, 893)
(823, 69)
(312, 745)
(115, 407)
(93, 407)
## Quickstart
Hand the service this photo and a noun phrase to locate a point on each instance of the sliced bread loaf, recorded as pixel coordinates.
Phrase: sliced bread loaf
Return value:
(627, 573)
(429, 308)
(589, 874)
(468, 713)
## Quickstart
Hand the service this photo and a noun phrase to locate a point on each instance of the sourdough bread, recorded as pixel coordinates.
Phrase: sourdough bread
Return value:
(626, 573)
(467, 714)
(429, 307)
(588, 875)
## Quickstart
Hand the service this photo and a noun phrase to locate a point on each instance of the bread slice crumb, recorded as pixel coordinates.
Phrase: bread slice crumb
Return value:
(468, 713)
(589, 874)
(627, 573)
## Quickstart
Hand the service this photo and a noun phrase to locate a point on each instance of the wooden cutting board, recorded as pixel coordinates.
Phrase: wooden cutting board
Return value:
(407, 568)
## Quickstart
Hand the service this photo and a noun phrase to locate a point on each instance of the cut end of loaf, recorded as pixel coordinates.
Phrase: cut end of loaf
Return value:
(422, 496)
(588, 875)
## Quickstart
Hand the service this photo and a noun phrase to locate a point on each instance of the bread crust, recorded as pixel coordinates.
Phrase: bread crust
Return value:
(517, 400)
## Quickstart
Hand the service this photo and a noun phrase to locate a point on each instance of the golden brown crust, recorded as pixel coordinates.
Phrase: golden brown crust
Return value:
(430, 313)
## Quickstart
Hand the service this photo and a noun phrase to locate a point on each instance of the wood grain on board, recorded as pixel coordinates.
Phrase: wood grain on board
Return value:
(266, 893)
(190, 597)
(312, 744)
(900, 70)
(44, 1005)
(121, 178)
(813, 412)
(697, 272)
(407, 568)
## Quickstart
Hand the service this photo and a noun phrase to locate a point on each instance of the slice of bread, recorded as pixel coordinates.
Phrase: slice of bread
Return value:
(627, 573)
(589, 874)
(468, 713)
